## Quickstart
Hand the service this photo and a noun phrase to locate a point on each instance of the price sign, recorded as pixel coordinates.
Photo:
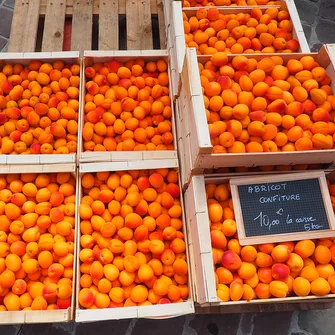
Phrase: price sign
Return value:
(281, 208)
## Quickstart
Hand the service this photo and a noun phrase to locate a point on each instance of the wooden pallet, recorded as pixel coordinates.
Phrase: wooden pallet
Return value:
(62, 25)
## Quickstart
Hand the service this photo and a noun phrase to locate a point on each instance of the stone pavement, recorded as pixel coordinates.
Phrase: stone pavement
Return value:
(6, 15)
(284, 323)
(318, 19)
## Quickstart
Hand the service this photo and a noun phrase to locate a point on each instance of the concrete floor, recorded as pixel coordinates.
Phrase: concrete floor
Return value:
(318, 19)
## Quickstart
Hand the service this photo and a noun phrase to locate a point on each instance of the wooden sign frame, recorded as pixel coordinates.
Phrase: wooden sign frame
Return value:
(245, 240)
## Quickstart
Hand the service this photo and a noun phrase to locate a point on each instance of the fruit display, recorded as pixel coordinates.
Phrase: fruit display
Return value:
(127, 106)
(37, 218)
(195, 3)
(268, 104)
(39, 105)
(271, 270)
(133, 251)
(260, 31)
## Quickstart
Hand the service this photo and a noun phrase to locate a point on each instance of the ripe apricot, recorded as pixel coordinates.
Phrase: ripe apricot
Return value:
(320, 287)
(322, 254)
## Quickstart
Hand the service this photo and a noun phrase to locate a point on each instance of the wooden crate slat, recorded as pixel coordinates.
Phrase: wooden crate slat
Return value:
(139, 29)
(109, 25)
(30, 27)
(17, 27)
(82, 23)
(132, 25)
(145, 25)
(24, 26)
(96, 4)
(123, 6)
(161, 24)
(53, 34)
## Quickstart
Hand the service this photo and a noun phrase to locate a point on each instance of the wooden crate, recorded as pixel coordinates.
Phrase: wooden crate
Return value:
(154, 311)
(175, 29)
(198, 226)
(91, 57)
(47, 316)
(56, 25)
(71, 57)
(194, 136)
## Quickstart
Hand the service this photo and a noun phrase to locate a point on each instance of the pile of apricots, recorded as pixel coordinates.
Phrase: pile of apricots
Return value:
(37, 217)
(127, 107)
(267, 105)
(271, 270)
(197, 3)
(39, 106)
(133, 251)
(210, 31)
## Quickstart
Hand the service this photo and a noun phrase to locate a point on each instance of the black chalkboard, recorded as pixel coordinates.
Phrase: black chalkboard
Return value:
(282, 207)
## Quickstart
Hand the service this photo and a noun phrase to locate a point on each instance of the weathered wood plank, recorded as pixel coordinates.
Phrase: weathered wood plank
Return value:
(109, 25)
(82, 21)
(96, 3)
(53, 34)
(145, 25)
(161, 24)
(139, 28)
(24, 26)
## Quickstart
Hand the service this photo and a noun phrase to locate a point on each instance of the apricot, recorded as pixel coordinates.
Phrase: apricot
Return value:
(231, 260)
(280, 253)
(325, 270)
(310, 273)
(320, 287)
(246, 270)
(280, 271)
(278, 289)
(322, 254)
(305, 248)
(236, 290)
(295, 262)
(223, 292)
(86, 297)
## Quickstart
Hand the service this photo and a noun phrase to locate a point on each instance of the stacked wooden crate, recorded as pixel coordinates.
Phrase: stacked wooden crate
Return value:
(13, 166)
(138, 30)
(142, 31)
(201, 167)
(114, 161)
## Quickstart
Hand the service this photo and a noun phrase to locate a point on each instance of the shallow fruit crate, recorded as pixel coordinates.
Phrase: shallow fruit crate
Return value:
(198, 227)
(194, 135)
(175, 30)
(71, 57)
(91, 57)
(154, 311)
(45, 316)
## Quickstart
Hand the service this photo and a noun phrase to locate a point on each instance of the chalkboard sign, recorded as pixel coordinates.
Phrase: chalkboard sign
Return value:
(281, 208)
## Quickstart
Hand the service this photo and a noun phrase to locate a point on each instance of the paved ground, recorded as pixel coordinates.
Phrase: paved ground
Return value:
(6, 14)
(318, 18)
(297, 323)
